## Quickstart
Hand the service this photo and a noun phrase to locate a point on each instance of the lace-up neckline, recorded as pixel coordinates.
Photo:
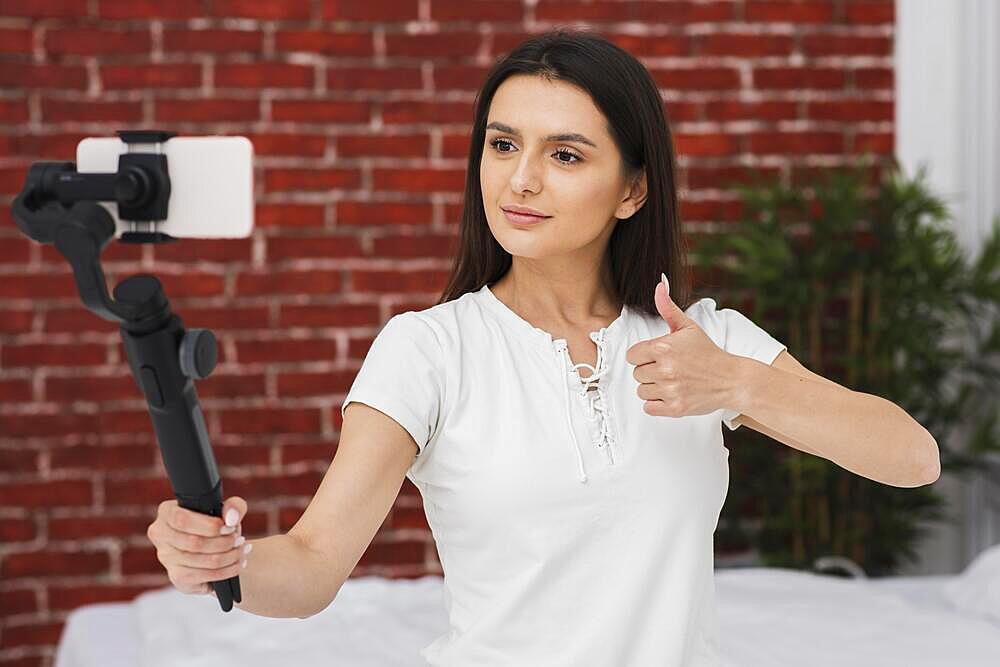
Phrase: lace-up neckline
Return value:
(596, 406)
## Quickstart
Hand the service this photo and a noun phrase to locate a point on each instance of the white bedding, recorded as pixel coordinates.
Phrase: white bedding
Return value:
(767, 617)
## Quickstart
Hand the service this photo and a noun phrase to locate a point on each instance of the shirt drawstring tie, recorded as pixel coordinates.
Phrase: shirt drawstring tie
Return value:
(597, 406)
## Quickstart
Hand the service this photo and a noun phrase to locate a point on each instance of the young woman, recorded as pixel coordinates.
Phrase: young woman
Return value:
(573, 513)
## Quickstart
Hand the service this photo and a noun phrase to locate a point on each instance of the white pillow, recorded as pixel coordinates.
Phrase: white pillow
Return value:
(977, 589)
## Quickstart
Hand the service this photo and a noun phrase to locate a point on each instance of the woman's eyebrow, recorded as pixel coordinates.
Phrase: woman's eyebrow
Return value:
(565, 136)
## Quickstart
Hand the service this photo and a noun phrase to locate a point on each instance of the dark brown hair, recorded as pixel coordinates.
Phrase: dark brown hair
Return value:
(641, 246)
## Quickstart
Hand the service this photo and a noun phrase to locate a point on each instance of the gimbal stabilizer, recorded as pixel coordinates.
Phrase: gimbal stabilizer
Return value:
(58, 205)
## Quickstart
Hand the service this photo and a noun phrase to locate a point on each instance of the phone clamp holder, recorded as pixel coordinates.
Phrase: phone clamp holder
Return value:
(58, 205)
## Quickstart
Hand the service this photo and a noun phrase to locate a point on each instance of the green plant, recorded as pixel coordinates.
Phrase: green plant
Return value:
(866, 285)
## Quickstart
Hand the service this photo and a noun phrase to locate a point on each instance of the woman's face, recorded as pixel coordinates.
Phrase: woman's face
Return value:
(577, 181)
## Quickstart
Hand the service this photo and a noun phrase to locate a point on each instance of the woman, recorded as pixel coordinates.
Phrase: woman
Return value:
(573, 513)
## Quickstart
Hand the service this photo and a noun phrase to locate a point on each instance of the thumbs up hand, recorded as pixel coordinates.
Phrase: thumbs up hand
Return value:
(682, 372)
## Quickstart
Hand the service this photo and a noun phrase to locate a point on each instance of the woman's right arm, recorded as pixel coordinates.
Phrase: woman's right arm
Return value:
(298, 574)
(356, 494)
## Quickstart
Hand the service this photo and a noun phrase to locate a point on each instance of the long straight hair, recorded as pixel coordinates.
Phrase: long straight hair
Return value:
(642, 246)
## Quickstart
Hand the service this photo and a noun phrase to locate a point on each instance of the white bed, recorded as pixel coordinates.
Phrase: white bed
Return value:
(768, 617)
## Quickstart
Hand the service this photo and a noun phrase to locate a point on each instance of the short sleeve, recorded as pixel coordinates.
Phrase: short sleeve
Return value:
(739, 335)
(402, 376)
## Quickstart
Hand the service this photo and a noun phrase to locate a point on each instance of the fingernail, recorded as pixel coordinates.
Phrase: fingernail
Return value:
(666, 283)
(232, 517)
(239, 540)
(244, 564)
(248, 548)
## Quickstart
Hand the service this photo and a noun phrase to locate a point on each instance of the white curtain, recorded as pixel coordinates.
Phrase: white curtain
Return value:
(948, 118)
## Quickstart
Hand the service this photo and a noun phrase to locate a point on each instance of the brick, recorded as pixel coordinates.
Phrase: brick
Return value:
(477, 10)
(851, 110)
(14, 391)
(45, 9)
(66, 563)
(729, 110)
(97, 41)
(18, 460)
(277, 180)
(17, 321)
(846, 45)
(81, 528)
(221, 385)
(53, 354)
(659, 12)
(289, 215)
(150, 9)
(290, 248)
(458, 77)
(213, 41)
(13, 111)
(789, 12)
(54, 493)
(360, 44)
(68, 320)
(56, 110)
(136, 490)
(278, 420)
(293, 144)
(419, 180)
(370, 10)
(697, 78)
(434, 45)
(150, 75)
(105, 458)
(399, 113)
(263, 75)
(262, 9)
(874, 77)
(24, 75)
(429, 245)
(206, 110)
(15, 250)
(18, 601)
(356, 213)
(705, 144)
(289, 282)
(32, 633)
(398, 281)
(748, 45)
(207, 250)
(654, 46)
(880, 11)
(321, 111)
(269, 351)
(340, 315)
(798, 143)
(51, 146)
(412, 145)
(313, 384)
(15, 41)
(374, 78)
(797, 78)
(16, 530)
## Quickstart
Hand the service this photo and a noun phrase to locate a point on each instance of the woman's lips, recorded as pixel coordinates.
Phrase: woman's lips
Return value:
(522, 219)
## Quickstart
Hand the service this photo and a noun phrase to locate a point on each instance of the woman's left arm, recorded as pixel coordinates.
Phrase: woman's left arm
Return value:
(863, 433)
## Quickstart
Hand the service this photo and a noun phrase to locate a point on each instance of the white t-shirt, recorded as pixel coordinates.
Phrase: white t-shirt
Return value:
(572, 527)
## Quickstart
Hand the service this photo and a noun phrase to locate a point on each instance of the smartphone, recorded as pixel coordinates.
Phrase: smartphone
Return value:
(211, 184)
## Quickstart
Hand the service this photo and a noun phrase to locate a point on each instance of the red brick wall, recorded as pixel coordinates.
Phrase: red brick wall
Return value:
(360, 130)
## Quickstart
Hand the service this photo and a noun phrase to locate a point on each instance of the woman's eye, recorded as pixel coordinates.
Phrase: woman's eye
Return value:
(576, 158)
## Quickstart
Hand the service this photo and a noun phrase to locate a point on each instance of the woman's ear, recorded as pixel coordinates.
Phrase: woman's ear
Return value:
(635, 198)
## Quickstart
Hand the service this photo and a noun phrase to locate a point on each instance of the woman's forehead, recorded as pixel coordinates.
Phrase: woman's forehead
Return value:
(533, 106)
